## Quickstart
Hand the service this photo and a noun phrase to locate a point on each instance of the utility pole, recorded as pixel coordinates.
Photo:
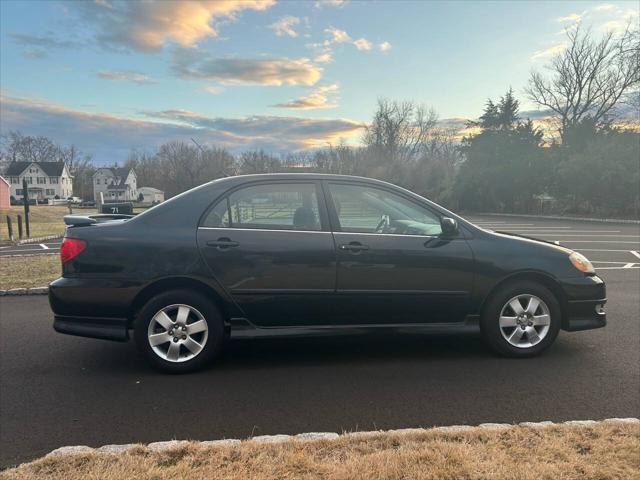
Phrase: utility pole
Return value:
(25, 200)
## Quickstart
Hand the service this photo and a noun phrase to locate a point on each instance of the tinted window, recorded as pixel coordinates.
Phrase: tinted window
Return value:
(270, 206)
(364, 209)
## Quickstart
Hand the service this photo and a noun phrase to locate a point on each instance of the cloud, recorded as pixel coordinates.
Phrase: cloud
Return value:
(323, 57)
(384, 46)
(605, 7)
(292, 132)
(284, 26)
(317, 98)
(125, 76)
(363, 44)
(337, 36)
(329, 3)
(39, 46)
(148, 26)
(548, 52)
(572, 17)
(193, 64)
(47, 41)
(213, 89)
(109, 138)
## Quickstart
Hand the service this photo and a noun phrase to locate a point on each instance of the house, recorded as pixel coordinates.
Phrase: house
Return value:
(5, 193)
(115, 184)
(150, 195)
(45, 180)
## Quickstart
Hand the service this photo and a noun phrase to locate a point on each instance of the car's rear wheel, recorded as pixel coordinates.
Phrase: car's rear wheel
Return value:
(179, 331)
(521, 319)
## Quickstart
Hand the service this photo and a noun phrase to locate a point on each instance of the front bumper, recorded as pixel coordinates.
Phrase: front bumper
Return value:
(584, 307)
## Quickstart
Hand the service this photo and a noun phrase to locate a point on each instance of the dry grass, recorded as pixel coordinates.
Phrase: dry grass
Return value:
(44, 219)
(28, 272)
(602, 451)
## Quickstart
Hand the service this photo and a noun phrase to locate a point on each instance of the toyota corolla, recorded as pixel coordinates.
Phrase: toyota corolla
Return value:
(311, 254)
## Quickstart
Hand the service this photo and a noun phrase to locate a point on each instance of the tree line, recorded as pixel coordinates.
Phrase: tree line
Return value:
(589, 165)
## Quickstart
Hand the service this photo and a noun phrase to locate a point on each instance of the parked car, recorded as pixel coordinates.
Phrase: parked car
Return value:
(88, 203)
(74, 200)
(311, 254)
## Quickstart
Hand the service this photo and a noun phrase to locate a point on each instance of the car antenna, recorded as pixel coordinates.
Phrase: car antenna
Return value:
(224, 172)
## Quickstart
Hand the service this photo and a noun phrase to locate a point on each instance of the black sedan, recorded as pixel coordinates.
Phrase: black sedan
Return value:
(311, 254)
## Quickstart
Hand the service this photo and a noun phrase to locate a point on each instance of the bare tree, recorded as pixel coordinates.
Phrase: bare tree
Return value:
(589, 78)
(25, 148)
(399, 131)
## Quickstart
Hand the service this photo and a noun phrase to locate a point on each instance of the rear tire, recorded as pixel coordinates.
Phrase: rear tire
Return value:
(179, 331)
(521, 319)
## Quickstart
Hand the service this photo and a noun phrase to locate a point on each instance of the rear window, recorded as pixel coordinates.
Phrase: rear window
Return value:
(269, 206)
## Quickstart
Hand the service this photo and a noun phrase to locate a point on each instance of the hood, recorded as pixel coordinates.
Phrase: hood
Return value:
(540, 241)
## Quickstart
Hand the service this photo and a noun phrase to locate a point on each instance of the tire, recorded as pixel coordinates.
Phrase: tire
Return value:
(531, 332)
(191, 344)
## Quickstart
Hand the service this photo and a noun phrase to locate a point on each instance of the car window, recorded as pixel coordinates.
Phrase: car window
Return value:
(269, 206)
(363, 209)
(218, 216)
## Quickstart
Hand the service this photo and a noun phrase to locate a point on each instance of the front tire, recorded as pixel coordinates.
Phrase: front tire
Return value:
(179, 331)
(521, 319)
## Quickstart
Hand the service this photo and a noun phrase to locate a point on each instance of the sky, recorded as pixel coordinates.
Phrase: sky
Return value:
(110, 76)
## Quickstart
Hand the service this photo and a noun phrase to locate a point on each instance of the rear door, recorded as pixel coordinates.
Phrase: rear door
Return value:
(269, 244)
(394, 265)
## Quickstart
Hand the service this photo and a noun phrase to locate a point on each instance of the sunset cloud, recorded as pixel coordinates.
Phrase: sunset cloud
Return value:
(193, 64)
(319, 97)
(125, 76)
(148, 25)
(384, 46)
(110, 137)
(548, 52)
(284, 26)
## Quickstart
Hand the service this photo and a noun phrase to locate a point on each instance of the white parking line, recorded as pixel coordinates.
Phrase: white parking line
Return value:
(618, 268)
(44, 247)
(595, 241)
(635, 253)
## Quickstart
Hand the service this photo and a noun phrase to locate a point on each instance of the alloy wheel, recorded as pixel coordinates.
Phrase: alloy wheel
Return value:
(178, 333)
(524, 321)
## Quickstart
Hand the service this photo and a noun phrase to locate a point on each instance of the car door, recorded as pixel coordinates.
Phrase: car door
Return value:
(394, 265)
(270, 246)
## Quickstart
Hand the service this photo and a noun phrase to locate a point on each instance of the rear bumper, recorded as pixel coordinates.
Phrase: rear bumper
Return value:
(93, 327)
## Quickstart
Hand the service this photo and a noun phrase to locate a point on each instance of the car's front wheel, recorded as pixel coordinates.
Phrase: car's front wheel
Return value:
(521, 319)
(179, 331)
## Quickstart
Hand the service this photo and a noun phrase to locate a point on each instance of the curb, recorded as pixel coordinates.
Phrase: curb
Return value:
(38, 239)
(24, 291)
(558, 217)
(160, 447)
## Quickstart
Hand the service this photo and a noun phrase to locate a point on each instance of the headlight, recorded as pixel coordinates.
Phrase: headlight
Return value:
(581, 263)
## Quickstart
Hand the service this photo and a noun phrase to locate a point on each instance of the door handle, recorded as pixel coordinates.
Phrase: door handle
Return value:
(354, 247)
(222, 243)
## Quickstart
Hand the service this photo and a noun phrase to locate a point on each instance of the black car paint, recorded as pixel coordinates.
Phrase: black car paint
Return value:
(298, 283)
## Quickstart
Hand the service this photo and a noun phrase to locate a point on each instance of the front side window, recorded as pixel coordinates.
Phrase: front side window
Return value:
(363, 209)
(281, 206)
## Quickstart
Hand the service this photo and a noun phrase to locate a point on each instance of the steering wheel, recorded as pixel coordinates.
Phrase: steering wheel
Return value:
(383, 224)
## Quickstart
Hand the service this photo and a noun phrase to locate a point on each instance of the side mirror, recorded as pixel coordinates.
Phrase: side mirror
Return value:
(449, 227)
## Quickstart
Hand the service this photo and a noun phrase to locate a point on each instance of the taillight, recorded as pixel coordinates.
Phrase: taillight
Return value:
(71, 248)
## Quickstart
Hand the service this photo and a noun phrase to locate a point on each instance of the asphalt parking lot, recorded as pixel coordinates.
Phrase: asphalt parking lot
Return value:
(58, 390)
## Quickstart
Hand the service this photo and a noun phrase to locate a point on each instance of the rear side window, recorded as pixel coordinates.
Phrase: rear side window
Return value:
(283, 206)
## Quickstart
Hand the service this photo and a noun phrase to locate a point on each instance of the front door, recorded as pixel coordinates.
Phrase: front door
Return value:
(394, 266)
(270, 246)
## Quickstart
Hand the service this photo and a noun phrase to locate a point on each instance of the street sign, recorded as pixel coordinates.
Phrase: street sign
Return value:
(117, 208)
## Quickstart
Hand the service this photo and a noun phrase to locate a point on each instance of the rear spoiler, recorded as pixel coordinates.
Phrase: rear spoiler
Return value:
(85, 220)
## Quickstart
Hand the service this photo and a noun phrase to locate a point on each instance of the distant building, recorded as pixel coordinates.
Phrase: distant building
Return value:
(5, 193)
(116, 184)
(45, 180)
(151, 195)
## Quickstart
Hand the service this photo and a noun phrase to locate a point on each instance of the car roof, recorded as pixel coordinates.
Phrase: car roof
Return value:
(299, 176)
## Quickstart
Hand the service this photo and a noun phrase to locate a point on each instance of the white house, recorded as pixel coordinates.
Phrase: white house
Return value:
(151, 195)
(116, 184)
(45, 180)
